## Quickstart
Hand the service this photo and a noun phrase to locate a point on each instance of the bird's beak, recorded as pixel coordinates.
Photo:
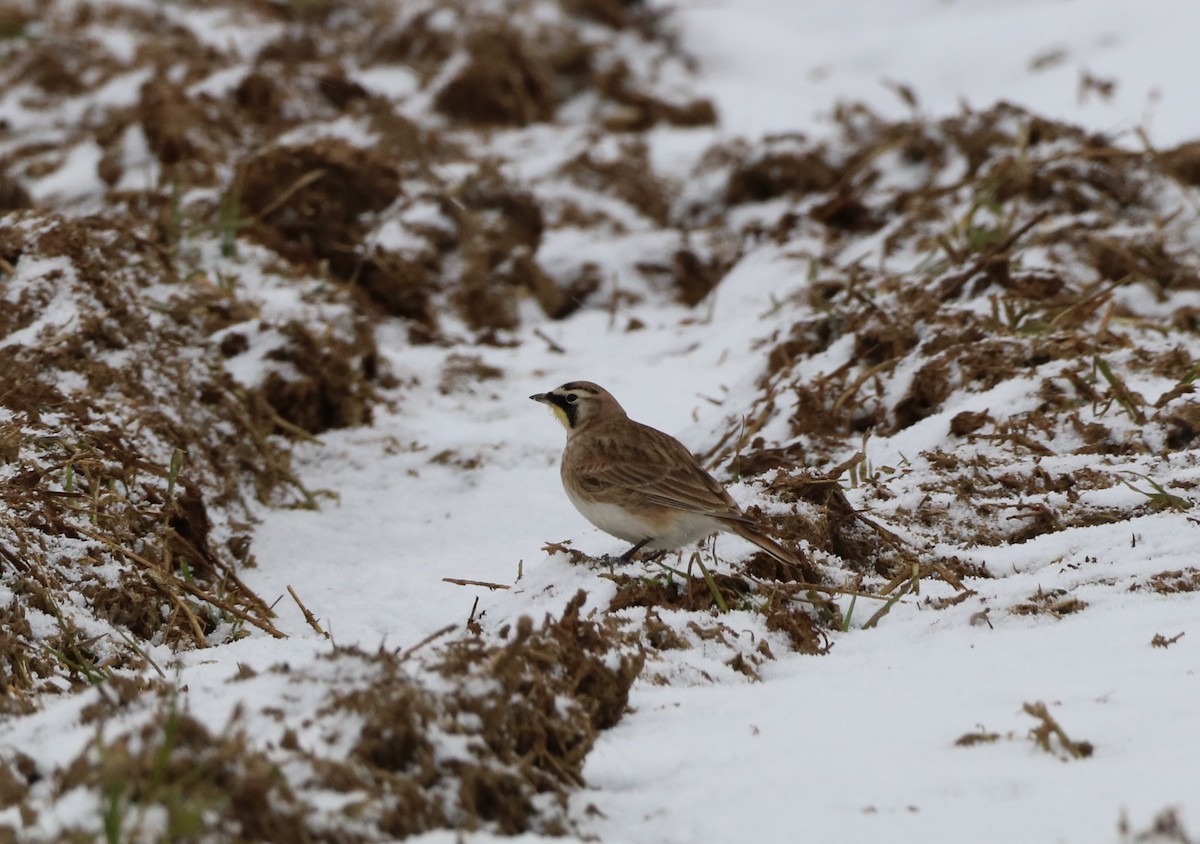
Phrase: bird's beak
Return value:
(559, 406)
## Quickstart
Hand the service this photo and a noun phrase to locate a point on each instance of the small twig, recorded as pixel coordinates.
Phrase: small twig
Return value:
(949, 577)
(1161, 641)
(834, 590)
(748, 427)
(790, 586)
(1050, 727)
(12, 559)
(227, 573)
(550, 344)
(905, 576)
(137, 650)
(981, 617)
(953, 285)
(241, 400)
(862, 378)
(294, 429)
(308, 616)
(209, 598)
(912, 585)
(193, 622)
(845, 466)
(296, 186)
(882, 611)
(449, 628)
(458, 581)
(1092, 301)
(1124, 396)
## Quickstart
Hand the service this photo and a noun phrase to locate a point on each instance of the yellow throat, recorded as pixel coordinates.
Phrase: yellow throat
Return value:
(561, 415)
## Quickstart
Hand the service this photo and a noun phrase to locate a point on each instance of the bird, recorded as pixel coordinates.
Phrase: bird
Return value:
(638, 483)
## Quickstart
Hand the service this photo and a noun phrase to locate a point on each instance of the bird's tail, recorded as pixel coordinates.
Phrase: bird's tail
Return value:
(773, 548)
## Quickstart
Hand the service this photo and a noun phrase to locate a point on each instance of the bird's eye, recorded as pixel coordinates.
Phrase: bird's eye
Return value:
(572, 398)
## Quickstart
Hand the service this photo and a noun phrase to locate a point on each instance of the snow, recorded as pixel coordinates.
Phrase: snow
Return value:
(57, 315)
(857, 745)
(75, 179)
(778, 66)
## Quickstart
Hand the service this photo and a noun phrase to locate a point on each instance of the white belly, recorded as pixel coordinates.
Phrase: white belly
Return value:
(683, 529)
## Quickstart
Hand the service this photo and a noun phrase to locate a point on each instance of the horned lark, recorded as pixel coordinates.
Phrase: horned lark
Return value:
(640, 484)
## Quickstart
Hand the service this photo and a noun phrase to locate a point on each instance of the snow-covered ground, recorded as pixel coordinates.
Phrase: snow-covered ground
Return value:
(778, 66)
(858, 744)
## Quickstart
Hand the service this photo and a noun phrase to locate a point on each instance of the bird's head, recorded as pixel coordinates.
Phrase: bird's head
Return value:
(579, 402)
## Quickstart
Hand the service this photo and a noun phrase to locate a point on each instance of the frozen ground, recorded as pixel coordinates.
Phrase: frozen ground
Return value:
(855, 745)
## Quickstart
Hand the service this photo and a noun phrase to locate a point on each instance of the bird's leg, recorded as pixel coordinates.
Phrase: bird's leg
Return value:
(628, 555)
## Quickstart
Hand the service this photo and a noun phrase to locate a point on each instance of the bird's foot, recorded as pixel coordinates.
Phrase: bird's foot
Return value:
(609, 560)
(628, 555)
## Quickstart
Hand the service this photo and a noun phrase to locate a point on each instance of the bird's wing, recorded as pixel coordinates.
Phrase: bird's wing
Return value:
(654, 468)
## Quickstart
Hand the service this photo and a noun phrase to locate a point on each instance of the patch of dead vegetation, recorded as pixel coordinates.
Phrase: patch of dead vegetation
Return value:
(130, 455)
(1050, 263)
(531, 706)
(785, 605)
(219, 783)
(464, 373)
(691, 594)
(1054, 602)
(781, 166)
(500, 227)
(824, 519)
(496, 742)
(1049, 736)
(1164, 642)
(1166, 828)
(636, 110)
(996, 499)
(1171, 582)
(328, 380)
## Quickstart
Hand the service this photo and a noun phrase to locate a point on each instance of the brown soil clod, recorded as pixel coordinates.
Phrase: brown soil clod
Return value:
(502, 83)
(784, 172)
(329, 385)
(308, 202)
